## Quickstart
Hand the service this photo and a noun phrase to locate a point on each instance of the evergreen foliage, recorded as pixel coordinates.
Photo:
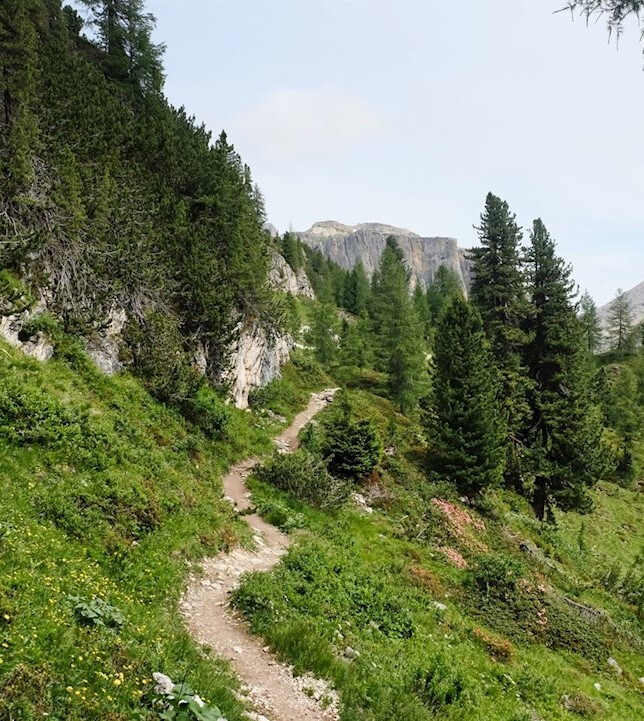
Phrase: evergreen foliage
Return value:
(465, 429)
(445, 285)
(498, 291)
(397, 330)
(590, 323)
(563, 437)
(115, 198)
(356, 290)
(351, 448)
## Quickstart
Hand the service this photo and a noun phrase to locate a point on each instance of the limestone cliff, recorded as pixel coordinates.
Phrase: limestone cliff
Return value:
(347, 244)
(282, 277)
(253, 360)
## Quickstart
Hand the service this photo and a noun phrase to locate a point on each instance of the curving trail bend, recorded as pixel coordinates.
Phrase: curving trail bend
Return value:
(269, 685)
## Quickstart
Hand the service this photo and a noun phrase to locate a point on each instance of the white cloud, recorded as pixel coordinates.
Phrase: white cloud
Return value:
(307, 124)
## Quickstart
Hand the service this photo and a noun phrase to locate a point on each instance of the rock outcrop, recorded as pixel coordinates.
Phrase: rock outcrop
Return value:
(347, 244)
(282, 277)
(258, 353)
(255, 360)
(12, 329)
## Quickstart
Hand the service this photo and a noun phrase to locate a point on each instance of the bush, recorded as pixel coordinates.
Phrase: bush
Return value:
(207, 411)
(352, 448)
(496, 575)
(306, 478)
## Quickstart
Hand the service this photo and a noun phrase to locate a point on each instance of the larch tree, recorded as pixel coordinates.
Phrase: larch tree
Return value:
(619, 324)
(465, 427)
(564, 433)
(124, 32)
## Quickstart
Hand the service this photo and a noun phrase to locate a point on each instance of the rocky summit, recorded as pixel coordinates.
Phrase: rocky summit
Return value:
(346, 245)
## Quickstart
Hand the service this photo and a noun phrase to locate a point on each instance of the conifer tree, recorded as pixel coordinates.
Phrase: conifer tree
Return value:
(498, 291)
(445, 285)
(619, 324)
(565, 427)
(397, 331)
(322, 334)
(19, 72)
(466, 427)
(356, 291)
(590, 323)
(421, 306)
(124, 32)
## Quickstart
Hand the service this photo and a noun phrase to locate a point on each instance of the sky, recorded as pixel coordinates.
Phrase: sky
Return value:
(409, 112)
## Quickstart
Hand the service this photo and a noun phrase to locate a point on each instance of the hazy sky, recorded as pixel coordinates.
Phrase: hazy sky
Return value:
(408, 113)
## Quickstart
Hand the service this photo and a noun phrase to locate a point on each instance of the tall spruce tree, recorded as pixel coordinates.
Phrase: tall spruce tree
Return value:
(466, 424)
(565, 427)
(445, 285)
(356, 290)
(590, 323)
(397, 330)
(498, 290)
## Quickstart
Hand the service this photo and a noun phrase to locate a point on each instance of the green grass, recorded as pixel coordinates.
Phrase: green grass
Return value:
(109, 498)
(107, 495)
(517, 652)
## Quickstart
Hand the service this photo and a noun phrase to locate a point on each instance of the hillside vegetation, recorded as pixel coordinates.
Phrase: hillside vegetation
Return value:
(466, 515)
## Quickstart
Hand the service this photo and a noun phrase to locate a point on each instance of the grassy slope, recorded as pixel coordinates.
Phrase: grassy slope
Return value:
(118, 495)
(106, 494)
(370, 583)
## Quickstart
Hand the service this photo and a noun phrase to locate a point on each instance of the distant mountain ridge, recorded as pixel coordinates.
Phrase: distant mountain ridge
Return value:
(346, 245)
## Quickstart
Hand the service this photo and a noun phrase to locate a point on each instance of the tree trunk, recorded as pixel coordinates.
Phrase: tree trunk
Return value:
(539, 499)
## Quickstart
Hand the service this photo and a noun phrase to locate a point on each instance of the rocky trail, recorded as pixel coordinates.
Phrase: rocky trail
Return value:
(270, 687)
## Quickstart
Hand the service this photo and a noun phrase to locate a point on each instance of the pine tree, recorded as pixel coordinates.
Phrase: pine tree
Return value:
(590, 323)
(421, 306)
(20, 21)
(356, 291)
(397, 331)
(499, 293)
(465, 428)
(445, 285)
(619, 324)
(565, 428)
(322, 334)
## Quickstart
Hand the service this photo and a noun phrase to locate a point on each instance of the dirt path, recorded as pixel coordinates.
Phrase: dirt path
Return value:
(271, 688)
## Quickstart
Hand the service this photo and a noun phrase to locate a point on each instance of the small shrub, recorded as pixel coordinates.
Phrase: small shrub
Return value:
(96, 612)
(14, 295)
(582, 705)
(496, 575)
(352, 448)
(207, 411)
(306, 478)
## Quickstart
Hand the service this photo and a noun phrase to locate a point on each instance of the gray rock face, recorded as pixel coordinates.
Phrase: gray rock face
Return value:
(105, 346)
(282, 277)
(347, 244)
(11, 329)
(255, 359)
